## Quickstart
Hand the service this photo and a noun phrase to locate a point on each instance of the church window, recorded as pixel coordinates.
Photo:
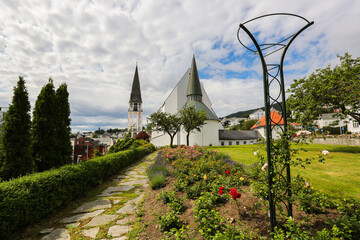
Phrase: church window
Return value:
(230, 143)
(222, 143)
(135, 107)
(244, 142)
(237, 142)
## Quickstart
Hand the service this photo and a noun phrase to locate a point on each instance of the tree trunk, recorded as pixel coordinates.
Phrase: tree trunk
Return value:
(187, 139)
(171, 141)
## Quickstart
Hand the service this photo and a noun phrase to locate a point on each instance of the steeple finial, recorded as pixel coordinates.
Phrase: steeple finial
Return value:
(194, 87)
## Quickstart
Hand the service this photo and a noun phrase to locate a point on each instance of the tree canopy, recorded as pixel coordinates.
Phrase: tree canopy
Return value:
(164, 122)
(63, 130)
(326, 90)
(45, 142)
(191, 120)
(15, 139)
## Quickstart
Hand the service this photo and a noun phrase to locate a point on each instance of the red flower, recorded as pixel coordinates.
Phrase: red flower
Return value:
(233, 191)
(236, 195)
(227, 172)
(221, 190)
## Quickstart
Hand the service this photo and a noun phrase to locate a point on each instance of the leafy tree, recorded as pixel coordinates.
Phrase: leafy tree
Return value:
(248, 124)
(45, 143)
(327, 89)
(164, 122)
(15, 139)
(143, 136)
(192, 120)
(63, 125)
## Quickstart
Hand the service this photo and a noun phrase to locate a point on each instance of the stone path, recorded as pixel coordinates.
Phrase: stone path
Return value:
(111, 215)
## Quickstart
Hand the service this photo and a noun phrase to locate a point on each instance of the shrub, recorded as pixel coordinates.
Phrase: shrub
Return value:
(27, 199)
(169, 221)
(158, 181)
(142, 136)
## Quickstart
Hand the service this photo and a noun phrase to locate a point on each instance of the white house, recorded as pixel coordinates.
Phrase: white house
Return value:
(353, 125)
(190, 92)
(257, 114)
(276, 128)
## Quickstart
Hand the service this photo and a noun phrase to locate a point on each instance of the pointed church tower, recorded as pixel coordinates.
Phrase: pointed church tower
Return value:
(135, 112)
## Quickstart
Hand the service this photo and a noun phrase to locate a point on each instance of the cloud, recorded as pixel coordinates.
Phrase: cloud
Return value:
(93, 46)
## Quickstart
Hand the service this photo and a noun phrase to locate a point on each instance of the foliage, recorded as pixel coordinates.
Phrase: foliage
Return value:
(209, 222)
(129, 143)
(169, 221)
(176, 204)
(142, 136)
(244, 125)
(191, 120)
(63, 130)
(164, 122)
(327, 89)
(158, 172)
(45, 143)
(30, 198)
(15, 142)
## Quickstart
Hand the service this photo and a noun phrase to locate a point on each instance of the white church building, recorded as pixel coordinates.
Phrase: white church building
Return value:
(190, 92)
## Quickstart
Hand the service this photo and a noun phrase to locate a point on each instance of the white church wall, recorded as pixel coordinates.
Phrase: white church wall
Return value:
(209, 135)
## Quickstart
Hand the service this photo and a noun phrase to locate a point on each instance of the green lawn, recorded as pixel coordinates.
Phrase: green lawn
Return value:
(339, 175)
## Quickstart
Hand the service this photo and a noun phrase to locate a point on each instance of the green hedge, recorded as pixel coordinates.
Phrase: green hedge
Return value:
(27, 199)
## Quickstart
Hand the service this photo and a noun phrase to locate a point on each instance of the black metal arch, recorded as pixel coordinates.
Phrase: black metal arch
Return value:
(270, 100)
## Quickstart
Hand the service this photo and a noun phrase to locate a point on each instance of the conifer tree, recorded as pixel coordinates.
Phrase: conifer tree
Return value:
(63, 124)
(16, 159)
(45, 142)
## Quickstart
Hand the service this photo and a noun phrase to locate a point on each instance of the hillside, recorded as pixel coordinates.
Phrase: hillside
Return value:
(246, 113)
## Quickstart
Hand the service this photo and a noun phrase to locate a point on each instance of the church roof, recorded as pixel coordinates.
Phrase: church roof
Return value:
(238, 135)
(275, 117)
(199, 106)
(135, 95)
(194, 87)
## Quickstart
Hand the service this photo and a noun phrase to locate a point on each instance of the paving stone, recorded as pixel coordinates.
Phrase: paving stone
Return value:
(140, 181)
(116, 201)
(126, 220)
(101, 220)
(92, 232)
(47, 230)
(127, 209)
(131, 173)
(81, 216)
(118, 230)
(73, 225)
(95, 205)
(136, 200)
(120, 238)
(121, 176)
(112, 190)
(57, 234)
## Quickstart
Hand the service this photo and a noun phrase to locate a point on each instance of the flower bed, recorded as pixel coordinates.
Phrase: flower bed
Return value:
(208, 196)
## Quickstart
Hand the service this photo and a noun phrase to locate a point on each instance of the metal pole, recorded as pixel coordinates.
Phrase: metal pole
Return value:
(268, 129)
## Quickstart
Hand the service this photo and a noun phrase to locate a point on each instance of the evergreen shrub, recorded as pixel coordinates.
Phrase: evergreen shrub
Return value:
(27, 199)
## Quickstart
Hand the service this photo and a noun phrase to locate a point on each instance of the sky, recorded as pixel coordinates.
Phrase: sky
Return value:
(93, 46)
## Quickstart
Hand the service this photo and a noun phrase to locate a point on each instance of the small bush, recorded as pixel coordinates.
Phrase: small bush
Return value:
(158, 181)
(169, 221)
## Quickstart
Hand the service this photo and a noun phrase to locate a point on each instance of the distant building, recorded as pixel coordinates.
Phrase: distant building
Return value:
(84, 149)
(234, 137)
(135, 112)
(276, 128)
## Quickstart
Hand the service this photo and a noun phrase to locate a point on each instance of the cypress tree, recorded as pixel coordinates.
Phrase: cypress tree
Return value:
(63, 124)
(15, 139)
(45, 142)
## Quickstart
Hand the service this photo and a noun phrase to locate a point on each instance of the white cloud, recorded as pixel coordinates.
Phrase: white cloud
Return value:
(93, 47)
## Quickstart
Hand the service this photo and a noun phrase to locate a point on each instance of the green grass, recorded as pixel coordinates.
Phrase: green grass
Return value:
(338, 176)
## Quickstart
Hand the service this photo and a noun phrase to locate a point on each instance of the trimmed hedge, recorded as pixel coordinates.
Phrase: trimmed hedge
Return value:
(27, 199)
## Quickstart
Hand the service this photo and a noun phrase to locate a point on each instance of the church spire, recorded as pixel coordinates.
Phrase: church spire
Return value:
(194, 88)
(135, 95)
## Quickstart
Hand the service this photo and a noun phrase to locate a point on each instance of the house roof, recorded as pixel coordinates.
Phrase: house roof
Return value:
(238, 135)
(275, 119)
(200, 106)
(135, 95)
(194, 87)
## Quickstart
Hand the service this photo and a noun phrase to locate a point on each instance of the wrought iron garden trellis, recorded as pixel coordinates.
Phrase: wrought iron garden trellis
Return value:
(271, 72)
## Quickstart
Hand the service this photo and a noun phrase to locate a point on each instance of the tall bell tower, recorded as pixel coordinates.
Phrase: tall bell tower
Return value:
(135, 112)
